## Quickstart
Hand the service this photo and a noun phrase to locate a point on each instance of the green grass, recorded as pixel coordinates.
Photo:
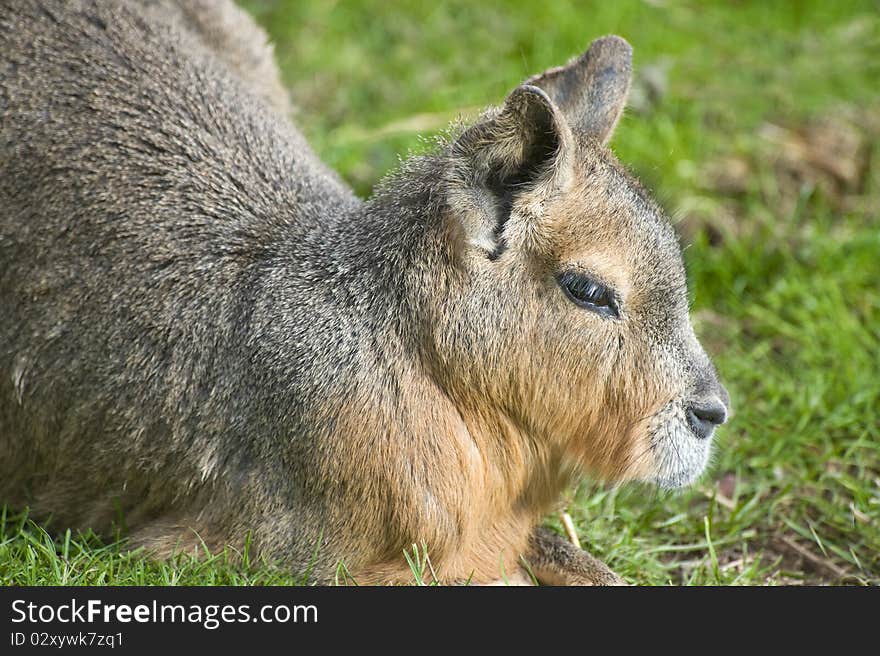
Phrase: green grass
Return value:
(784, 261)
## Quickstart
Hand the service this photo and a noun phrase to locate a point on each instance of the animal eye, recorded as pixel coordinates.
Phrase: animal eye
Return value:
(588, 293)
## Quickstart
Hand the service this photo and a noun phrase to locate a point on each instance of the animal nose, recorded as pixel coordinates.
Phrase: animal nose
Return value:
(703, 417)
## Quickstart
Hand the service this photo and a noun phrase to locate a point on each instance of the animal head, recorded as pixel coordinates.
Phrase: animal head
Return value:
(568, 311)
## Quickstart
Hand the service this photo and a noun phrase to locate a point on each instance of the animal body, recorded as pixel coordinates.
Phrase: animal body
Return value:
(206, 335)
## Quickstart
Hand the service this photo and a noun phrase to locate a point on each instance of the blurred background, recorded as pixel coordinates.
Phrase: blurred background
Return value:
(756, 125)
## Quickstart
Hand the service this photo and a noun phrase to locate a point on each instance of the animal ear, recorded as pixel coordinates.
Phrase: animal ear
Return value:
(518, 149)
(591, 90)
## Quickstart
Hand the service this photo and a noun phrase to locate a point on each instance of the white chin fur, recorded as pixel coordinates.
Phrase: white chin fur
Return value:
(679, 455)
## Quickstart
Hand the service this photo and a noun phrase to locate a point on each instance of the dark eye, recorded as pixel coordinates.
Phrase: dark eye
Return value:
(588, 293)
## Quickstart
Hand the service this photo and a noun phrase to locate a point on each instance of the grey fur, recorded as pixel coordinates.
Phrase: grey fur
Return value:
(232, 36)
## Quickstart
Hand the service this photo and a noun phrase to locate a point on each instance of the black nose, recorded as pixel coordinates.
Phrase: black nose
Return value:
(705, 416)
